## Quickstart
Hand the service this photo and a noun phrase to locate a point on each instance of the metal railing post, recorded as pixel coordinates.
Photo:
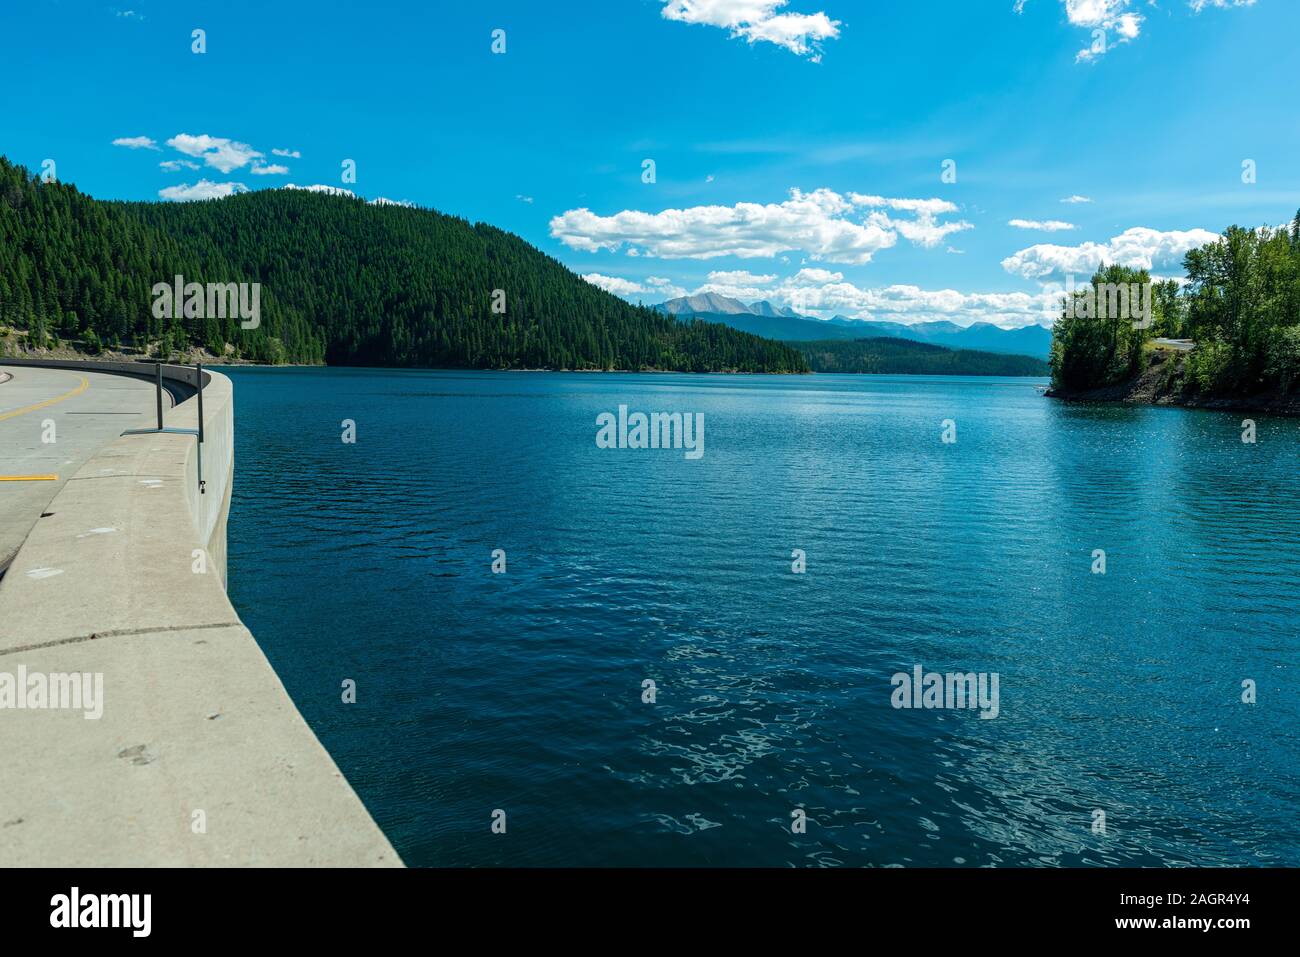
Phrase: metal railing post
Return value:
(199, 367)
(197, 433)
(157, 369)
(203, 486)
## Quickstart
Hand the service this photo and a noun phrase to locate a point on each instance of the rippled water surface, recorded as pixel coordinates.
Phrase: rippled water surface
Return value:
(1118, 692)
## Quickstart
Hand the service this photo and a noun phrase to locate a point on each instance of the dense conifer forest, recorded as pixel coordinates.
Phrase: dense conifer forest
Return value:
(890, 356)
(343, 281)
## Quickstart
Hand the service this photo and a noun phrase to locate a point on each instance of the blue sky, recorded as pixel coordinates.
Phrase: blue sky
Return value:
(854, 104)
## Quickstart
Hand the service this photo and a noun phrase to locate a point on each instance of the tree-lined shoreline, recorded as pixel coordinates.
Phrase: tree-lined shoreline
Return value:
(1240, 307)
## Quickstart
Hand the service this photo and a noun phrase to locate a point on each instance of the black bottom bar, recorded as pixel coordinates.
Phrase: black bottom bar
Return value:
(961, 908)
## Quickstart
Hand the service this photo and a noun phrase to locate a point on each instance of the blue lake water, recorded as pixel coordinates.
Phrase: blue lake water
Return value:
(523, 691)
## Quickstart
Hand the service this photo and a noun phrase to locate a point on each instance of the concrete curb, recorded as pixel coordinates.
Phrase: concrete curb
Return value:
(199, 757)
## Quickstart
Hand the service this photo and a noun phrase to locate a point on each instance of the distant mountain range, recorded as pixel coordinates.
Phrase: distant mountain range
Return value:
(764, 319)
(710, 303)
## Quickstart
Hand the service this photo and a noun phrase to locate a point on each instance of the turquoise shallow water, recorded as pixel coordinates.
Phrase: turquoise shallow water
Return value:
(523, 691)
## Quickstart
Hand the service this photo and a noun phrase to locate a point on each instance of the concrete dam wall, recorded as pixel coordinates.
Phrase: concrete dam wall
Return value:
(197, 755)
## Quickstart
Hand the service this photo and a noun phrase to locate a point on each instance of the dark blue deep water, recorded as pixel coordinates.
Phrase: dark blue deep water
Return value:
(523, 691)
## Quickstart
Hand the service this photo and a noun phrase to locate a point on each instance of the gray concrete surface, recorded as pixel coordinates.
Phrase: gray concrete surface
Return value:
(85, 419)
(199, 757)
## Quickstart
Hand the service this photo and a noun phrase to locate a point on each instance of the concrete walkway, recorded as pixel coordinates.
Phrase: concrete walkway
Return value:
(191, 753)
(88, 409)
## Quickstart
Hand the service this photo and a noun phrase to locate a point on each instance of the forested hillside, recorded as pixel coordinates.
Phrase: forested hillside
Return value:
(343, 281)
(890, 356)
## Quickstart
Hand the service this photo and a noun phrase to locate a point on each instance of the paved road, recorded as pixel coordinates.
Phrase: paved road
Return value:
(88, 409)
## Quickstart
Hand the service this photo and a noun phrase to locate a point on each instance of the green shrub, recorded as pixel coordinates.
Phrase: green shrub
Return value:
(1283, 357)
(1209, 367)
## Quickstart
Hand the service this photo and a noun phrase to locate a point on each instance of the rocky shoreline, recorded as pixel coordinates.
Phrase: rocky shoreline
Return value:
(1164, 384)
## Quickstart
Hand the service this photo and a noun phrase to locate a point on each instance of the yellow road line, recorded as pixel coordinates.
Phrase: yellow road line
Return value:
(29, 478)
(85, 384)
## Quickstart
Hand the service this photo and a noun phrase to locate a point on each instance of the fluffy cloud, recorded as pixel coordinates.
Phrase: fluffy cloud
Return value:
(823, 293)
(1112, 17)
(1117, 20)
(923, 230)
(216, 151)
(910, 304)
(817, 292)
(614, 284)
(738, 285)
(136, 142)
(627, 288)
(203, 189)
(816, 222)
(1138, 248)
(759, 21)
(805, 276)
(1076, 199)
(288, 154)
(663, 286)
(1047, 226)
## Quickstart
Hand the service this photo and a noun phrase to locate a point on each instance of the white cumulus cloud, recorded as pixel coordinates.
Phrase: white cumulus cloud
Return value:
(216, 151)
(759, 21)
(924, 230)
(203, 189)
(615, 284)
(821, 222)
(1138, 248)
(912, 304)
(136, 142)
(627, 288)
(1117, 20)
(815, 277)
(822, 293)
